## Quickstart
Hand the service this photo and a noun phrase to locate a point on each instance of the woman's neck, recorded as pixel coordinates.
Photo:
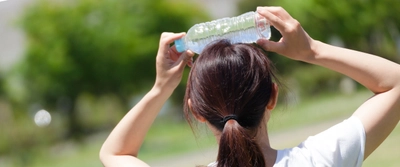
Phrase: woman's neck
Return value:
(270, 154)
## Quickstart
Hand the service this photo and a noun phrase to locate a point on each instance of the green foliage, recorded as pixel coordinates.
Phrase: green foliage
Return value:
(315, 80)
(21, 137)
(365, 25)
(1, 84)
(251, 5)
(97, 113)
(95, 47)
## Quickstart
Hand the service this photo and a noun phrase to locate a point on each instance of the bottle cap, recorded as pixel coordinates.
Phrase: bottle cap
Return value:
(180, 45)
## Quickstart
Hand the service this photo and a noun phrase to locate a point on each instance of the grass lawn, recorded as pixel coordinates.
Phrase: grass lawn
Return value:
(168, 138)
(316, 110)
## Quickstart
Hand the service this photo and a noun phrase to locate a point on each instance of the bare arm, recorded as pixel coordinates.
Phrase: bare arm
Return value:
(379, 114)
(122, 145)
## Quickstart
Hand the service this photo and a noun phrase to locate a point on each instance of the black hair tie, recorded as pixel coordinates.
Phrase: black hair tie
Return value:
(229, 117)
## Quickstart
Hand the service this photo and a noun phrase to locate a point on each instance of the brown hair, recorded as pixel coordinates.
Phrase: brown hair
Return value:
(233, 81)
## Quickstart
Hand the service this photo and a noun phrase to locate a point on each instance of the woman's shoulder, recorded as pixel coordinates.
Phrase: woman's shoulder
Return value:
(341, 145)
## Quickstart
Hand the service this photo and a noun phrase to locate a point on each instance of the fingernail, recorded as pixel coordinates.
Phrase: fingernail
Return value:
(190, 53)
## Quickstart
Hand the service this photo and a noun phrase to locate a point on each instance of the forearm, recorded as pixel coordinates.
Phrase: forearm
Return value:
(128, 135)
(122, 145)
(375, 73)
(379, 114)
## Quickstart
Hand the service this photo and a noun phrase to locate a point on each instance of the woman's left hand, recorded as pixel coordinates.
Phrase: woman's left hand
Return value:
(123, 144)
(170, 63)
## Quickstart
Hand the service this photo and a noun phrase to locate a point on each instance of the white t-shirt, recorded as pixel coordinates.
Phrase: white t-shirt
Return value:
(339, 146)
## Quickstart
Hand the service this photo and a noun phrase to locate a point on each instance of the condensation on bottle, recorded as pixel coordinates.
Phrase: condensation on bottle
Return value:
(245, 28)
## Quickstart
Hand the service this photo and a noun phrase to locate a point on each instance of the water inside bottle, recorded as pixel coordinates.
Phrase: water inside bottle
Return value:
(244, 36)
(241, 29)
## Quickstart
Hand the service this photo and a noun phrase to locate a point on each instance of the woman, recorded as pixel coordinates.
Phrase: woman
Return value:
(231, 88)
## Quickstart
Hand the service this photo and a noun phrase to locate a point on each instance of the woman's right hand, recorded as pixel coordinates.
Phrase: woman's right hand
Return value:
(379, 114)
(295, 42)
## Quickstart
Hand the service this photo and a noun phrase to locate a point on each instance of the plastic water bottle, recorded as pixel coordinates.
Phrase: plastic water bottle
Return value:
(246, 28)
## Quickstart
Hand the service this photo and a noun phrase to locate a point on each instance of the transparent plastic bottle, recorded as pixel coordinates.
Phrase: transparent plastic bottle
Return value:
(245, 28)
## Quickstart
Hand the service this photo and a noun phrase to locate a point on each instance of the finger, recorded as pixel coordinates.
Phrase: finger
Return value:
(270, 45)
(191, 55)
(184, 59)
(275, 21)
(190, 63)
(174, 54)
(279, 12)
(167, 38)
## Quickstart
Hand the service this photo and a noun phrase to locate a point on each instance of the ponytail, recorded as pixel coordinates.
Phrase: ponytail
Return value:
(230, 86)
(237, 148)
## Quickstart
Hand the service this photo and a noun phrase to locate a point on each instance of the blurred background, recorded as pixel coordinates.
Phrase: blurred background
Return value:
(70, 69)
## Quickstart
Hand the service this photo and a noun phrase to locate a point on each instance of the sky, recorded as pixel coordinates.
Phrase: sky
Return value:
(11, 38)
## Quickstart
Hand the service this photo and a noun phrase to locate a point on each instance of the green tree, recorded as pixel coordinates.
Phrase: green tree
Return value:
(365, 25)
(97, 47)
(371, 26)
(1, 85)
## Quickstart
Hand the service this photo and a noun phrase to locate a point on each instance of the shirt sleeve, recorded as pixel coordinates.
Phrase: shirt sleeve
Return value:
(339, 146)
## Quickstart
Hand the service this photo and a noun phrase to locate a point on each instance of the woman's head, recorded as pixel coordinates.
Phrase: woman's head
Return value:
(233, 81)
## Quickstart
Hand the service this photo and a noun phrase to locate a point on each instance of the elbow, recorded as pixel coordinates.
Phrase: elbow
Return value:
(104, 155)
(390, 82)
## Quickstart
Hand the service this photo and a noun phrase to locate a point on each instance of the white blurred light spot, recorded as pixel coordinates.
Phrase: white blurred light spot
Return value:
(2, 0)
(42, 118)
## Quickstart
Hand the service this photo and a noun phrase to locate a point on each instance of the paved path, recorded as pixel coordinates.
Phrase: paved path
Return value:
(279, 140)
